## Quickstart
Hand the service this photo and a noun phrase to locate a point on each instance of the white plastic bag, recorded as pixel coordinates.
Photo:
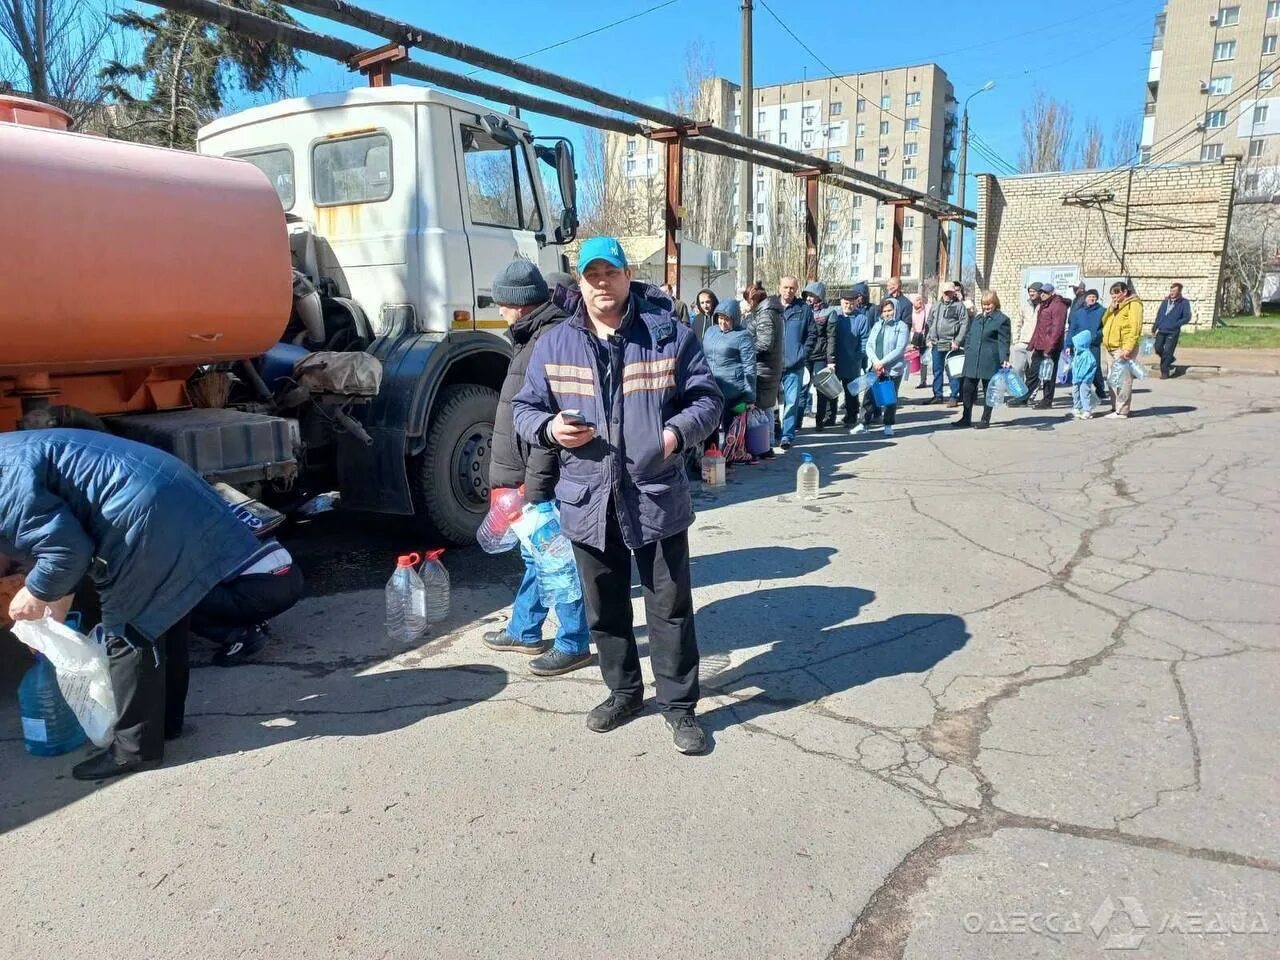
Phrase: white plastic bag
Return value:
(83, 675)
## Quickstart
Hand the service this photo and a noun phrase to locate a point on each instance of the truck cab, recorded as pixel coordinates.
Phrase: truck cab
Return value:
(402, 204)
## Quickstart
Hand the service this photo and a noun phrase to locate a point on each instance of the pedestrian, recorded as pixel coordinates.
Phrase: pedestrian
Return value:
(958, 287)
(1046, 344)
(154, 540)
(679, 309)
(1173, 312)
(799, 333)
(731, 355)
(815, 295)
(919, 329)
(644, 393)
(1088, 316)
(1121, 331)
(886, 344)
(524, 302)
(1084, 367)
(764, 323)
(1024, 329)
(703, 315)
(986, 350)
(901, 305)
(847, 344)
(944, 329)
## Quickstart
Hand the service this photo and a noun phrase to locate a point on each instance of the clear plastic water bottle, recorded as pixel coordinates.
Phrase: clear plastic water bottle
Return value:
(406, 601)
(435, 578)
(495, 534)
(713, 467)
(807, 479)
(1046, 370)
(1147, 347)
(49, 728)
(539, 529)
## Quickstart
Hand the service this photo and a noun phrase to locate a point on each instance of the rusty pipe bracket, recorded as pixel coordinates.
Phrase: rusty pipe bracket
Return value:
(663, 134)
(376, 64)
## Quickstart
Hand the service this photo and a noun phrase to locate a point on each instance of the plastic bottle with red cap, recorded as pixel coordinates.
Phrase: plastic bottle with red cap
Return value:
(406, 601)
(435, 578)
(505, 505)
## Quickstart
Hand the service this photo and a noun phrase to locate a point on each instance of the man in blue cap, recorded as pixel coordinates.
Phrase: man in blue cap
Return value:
(620, 389)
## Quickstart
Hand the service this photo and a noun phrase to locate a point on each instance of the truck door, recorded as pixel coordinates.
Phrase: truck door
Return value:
(500, 210)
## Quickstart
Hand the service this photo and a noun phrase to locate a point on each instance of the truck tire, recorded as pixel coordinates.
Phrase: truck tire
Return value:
(450, 479)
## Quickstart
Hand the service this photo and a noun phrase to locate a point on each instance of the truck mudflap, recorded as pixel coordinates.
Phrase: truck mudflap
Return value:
(375, 477)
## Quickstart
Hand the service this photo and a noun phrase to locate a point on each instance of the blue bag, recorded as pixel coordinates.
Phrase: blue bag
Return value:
(884, 393)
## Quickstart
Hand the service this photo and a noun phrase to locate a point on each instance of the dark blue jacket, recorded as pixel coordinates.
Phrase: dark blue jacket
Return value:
(1086, 318)
(847, 337)
(1171, 316)
(657, 377)
(152, 535)
(799, 334)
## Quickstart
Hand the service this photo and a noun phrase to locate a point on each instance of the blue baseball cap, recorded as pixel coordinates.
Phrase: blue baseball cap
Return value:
(607, 249)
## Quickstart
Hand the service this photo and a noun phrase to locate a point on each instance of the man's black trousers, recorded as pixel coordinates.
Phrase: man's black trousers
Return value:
(668, 607)
(149, 680)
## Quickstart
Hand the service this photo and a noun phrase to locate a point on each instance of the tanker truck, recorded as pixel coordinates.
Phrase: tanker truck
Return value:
(302, 305)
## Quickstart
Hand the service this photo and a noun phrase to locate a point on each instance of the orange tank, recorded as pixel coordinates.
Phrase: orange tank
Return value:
(121, 257)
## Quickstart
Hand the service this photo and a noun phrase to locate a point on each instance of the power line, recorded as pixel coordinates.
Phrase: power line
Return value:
(590, 33)
(990, 152)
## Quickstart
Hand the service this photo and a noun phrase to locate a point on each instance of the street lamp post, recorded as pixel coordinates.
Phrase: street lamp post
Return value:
(964, 165)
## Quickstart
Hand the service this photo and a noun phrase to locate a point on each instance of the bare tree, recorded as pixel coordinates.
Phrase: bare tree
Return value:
(1124, 141)
(1046, 135)
(1089, 147)
(1253, 244)
(55, 49)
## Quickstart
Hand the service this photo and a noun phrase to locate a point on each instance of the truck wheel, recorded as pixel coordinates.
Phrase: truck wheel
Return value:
(451, 478)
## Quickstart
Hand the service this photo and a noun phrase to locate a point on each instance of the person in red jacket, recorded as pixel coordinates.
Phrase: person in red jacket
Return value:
(1046, 344)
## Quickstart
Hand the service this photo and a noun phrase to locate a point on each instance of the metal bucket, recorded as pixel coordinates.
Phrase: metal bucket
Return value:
(955, 363)
(827, 383)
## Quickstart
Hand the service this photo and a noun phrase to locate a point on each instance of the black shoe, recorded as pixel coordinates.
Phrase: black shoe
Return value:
(686, 732)
(982, 425)
(612, 713)
(555, 662)
(1018, 403)
(501, 640)
(962, 422)
(241, 646)
(1043, 405)
(785, 444)
(105, 765)
(1163, 375)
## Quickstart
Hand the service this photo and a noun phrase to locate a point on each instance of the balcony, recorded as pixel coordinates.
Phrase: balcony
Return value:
(1153, 68)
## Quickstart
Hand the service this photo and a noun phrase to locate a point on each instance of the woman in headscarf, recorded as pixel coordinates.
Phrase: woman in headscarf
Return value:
(731, 355)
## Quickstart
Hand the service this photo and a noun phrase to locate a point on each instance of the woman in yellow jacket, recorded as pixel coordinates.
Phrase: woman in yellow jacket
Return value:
(1121, 330)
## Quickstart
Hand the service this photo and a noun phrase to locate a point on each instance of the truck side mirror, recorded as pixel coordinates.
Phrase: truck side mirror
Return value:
(568, 178)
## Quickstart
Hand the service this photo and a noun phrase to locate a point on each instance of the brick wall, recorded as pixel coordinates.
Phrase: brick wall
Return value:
(1154, 225)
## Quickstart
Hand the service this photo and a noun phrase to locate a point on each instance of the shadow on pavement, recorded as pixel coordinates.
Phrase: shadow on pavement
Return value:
(264, 715)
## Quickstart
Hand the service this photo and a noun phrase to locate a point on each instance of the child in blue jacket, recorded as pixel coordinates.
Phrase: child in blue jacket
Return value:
(1084, 366)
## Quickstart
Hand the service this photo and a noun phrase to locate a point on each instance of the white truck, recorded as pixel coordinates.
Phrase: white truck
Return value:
(402, 204)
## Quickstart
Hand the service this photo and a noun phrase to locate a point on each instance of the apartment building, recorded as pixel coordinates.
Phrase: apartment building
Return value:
(898, 124)
(1211, 84)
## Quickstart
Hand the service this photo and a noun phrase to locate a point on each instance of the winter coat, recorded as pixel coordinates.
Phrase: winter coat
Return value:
(149, 532)
(799, 333)
(764, 323)
(1026, 326)
(1086, 318)
(649, 376)
(732, 358)
(847, 338)
(700, 323)
(986, 345)
(512, 461)
(1051, 326)
(1172, 314)
(821, 317)
(896, 335)
(947, 322)
(1122, 326)
(1083, 365)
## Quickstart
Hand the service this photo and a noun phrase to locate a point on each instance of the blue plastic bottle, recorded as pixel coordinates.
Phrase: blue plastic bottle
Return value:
(553, 555)
(49, 728)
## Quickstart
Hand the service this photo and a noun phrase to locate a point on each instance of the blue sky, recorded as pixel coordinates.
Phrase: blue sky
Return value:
(1093, 55)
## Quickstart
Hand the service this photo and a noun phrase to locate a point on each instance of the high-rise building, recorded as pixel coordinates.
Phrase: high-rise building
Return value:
(1211, 84)
(898, 124)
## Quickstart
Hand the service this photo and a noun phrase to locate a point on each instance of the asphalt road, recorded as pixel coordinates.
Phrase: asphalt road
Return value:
(995, 695)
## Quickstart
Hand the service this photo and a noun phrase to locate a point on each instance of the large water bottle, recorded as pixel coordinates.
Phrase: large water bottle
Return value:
(539, 529)
(49, 728)
(1046, 370)
(406, 601)
(435, 578)
(495, 534)
(807, 479)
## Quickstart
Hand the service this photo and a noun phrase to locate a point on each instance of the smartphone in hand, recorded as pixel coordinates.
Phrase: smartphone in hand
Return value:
(575, 419)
